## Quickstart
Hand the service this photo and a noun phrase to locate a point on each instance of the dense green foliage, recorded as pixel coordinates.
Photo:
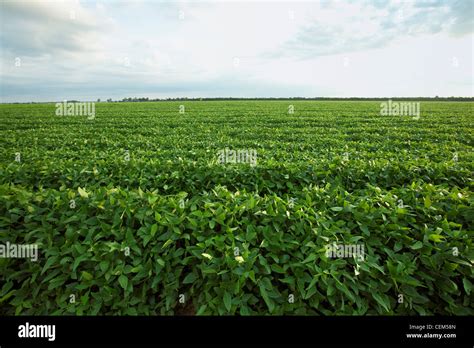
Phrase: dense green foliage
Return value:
(235, 238)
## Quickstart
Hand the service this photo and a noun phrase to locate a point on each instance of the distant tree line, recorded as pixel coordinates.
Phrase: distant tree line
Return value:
(146, 99)
(300, 98)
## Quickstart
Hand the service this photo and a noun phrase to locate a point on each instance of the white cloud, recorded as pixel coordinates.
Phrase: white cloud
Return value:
(74, 49)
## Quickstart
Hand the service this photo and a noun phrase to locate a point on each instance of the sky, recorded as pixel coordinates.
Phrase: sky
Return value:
(85, 50)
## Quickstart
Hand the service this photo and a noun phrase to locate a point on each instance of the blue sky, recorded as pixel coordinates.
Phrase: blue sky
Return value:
(56, 50)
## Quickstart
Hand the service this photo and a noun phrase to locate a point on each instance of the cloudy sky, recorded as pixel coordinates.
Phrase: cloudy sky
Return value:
(56, 50)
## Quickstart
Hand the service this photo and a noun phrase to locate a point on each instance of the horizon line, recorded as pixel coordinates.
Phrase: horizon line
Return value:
(147, 99)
